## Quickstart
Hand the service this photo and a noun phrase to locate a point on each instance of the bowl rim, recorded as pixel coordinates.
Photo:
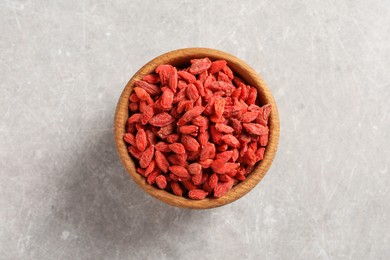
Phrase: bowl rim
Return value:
(252, 78)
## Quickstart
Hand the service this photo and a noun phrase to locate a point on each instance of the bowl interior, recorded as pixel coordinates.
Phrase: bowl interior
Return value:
(181, 58)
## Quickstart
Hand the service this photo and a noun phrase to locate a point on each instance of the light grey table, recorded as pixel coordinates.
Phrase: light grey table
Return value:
(65, 195)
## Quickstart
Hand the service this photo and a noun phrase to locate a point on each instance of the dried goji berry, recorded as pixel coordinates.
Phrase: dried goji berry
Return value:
(207, 152)
(151, 179)
(133, 107)
(152, 78)
(190, 143)
(224, 128)
(188, 184)
(164, 71)
(197, 179)
(162, 147)
(142, 94)
(264, 113)
(133, 98)
(216, 66)
(196, 111)
(225, 156)
(206, 163)
(260, 154)
(166, 99)
(213, 180)
(186, 76)
(179, 171)
(192, 92)
(165, 131)
(177, 148)
(141, 140)
(197, 194)
(176, 188)
(173, 80)
(199, 65)
(161, 161)
(231, 140)
(150, 168)
(151, 89)
(203, 138)
(173, 138)
(161, 181)
(129, 138)
(222, 188)
(146, 157)
(134, 152)
(263, 139)
(161, 119)
(249, 117)
(134, 118)
(256, 129)
(194, 168)
(219, 107)
(188, 129)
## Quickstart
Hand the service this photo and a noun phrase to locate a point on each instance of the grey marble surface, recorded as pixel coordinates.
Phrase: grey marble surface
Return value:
(65, 195)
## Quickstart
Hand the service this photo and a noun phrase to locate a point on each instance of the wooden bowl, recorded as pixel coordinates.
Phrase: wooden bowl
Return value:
(181, 58)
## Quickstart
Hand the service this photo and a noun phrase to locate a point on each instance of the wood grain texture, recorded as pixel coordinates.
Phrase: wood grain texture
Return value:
(182, 58)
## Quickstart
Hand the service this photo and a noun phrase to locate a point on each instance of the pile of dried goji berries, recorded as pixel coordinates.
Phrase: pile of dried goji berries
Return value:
(196, 131)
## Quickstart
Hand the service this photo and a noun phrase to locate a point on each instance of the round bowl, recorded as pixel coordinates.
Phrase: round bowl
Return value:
(181, 58)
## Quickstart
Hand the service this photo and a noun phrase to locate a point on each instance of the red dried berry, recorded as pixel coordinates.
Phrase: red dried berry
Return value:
(197, 179)
(162, 162)
(133, 107)
(152, 78)
(224, 128)
(150, 168)
(166, 100)
(165, 131)
(129, 138)
(151, 179)
(173, 138)
(177, 148)
(199, 65)
(179, 171)
(141, 140)
(194, 168)
(197, 194)
(222, 188)
(177, 190)
(221, 167)
(249, 117)
(196, 111)
(173, 80)
(230, 140)
(213, 180)
(264, 113)
(151, 89)
(161, 119)
(134, 118)
(217, 66)
(255, 129)
(186, 76)
(161, 181)
(162, 147)
(188, 129)
(263, 139)
(164, 71)
(134, 152)
(190, 143)
(146, 157)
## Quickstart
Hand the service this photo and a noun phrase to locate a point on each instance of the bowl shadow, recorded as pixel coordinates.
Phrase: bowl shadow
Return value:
(97, 198)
